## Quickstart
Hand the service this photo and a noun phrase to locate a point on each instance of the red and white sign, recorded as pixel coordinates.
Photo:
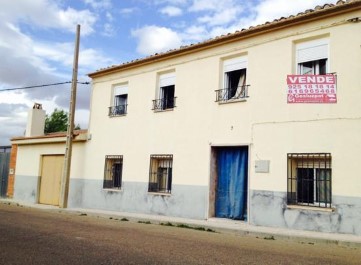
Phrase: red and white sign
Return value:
(311, 89)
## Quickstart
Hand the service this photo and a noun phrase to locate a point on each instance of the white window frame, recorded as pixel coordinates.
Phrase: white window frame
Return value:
(234, 64)
(109, 175)
(165, 80)
(119, 107)
(119, 90)
(165, 163)
(312, 51)
(313, 162)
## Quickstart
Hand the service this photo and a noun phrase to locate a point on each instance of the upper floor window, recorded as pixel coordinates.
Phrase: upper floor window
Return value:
(312, 57)
(309, 178)
(120, 100)
(166, 98)
(234, 80)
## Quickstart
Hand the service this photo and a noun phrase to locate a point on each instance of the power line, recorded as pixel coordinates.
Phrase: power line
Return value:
(45, 85)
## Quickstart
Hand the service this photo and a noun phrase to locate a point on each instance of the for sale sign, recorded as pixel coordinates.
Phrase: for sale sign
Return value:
(311, 89)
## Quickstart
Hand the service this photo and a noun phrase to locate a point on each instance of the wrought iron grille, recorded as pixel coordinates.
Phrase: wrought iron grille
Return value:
(309, 179)
(232, 93)
(113, 171)
(160, 173)
(164, 103)
(118, 110)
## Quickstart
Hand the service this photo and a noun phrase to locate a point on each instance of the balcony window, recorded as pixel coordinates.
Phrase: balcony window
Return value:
(166, 98)
(234, 80)
(120, 101)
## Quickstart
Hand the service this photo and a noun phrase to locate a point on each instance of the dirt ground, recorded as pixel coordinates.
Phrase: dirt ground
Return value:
(33, 236)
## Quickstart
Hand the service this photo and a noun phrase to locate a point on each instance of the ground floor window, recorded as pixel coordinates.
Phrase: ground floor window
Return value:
(309, 178)
(160, 173)
(113, 172)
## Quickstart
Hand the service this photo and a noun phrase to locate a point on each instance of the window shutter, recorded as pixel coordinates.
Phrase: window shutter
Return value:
(167, 80)
(312, 50)
(235, 64)
(120, 90)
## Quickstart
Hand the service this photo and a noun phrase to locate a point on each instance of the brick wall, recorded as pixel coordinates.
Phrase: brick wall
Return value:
(12, 166)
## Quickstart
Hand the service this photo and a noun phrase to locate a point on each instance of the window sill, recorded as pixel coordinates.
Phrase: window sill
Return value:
(163, 110)
(232, 101)
(118, 115)
(159, 193)
(310, 208)
(113, 190)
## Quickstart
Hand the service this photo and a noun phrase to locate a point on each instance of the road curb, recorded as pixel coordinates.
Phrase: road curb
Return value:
(266, 233)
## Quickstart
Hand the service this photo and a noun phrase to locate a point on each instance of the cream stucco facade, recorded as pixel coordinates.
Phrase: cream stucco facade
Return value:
(198, 126)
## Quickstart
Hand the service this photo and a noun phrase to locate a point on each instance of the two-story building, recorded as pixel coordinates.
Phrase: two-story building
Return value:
(262, 125)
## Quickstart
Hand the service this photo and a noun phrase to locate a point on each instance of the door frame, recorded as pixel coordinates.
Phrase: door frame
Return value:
(213, 178)
(41, 163)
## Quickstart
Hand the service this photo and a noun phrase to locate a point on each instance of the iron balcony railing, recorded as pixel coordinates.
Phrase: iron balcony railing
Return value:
(118, 110)
(163, 104)
(233, 93)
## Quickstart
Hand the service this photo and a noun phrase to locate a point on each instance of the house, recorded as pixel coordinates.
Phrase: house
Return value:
(261, 125)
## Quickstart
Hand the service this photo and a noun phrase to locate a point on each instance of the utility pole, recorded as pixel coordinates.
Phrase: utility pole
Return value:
(70, 131)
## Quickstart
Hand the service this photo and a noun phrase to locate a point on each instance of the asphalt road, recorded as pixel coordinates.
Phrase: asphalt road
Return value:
(33, 236)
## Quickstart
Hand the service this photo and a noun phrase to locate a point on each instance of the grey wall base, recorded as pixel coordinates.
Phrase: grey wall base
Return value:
(185, 201)
(268, 208)
(26, 188)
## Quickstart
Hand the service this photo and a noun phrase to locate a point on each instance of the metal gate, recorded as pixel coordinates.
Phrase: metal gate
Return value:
(4, 173)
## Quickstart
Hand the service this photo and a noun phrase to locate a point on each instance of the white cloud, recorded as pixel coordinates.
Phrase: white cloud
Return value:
(201, 5)
(31, 62)
(154, 39)
(269, 10)
(127, 11)
(15, 126)
(47, 14)
(222, 17)
(70, 18)
(171, 11)
(195, 34)
(227, 16)
(171, 2)
(109, 30)
(96, 4)
(62, 53)
(91, 59)
(109, 16)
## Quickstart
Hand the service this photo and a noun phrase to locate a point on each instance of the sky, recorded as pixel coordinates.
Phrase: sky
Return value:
(37, 42)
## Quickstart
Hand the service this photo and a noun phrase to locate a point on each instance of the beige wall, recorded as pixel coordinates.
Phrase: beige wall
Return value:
(29, 158)
(265, 121)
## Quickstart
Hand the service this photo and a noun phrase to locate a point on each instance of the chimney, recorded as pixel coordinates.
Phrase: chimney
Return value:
(36, 121)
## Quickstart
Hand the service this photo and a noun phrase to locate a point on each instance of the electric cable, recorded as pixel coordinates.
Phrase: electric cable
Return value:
(45, 85)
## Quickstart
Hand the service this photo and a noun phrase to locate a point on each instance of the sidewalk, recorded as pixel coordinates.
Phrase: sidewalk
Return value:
(216, 224)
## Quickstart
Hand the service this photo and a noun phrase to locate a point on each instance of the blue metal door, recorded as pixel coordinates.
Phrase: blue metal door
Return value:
(232, 183)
